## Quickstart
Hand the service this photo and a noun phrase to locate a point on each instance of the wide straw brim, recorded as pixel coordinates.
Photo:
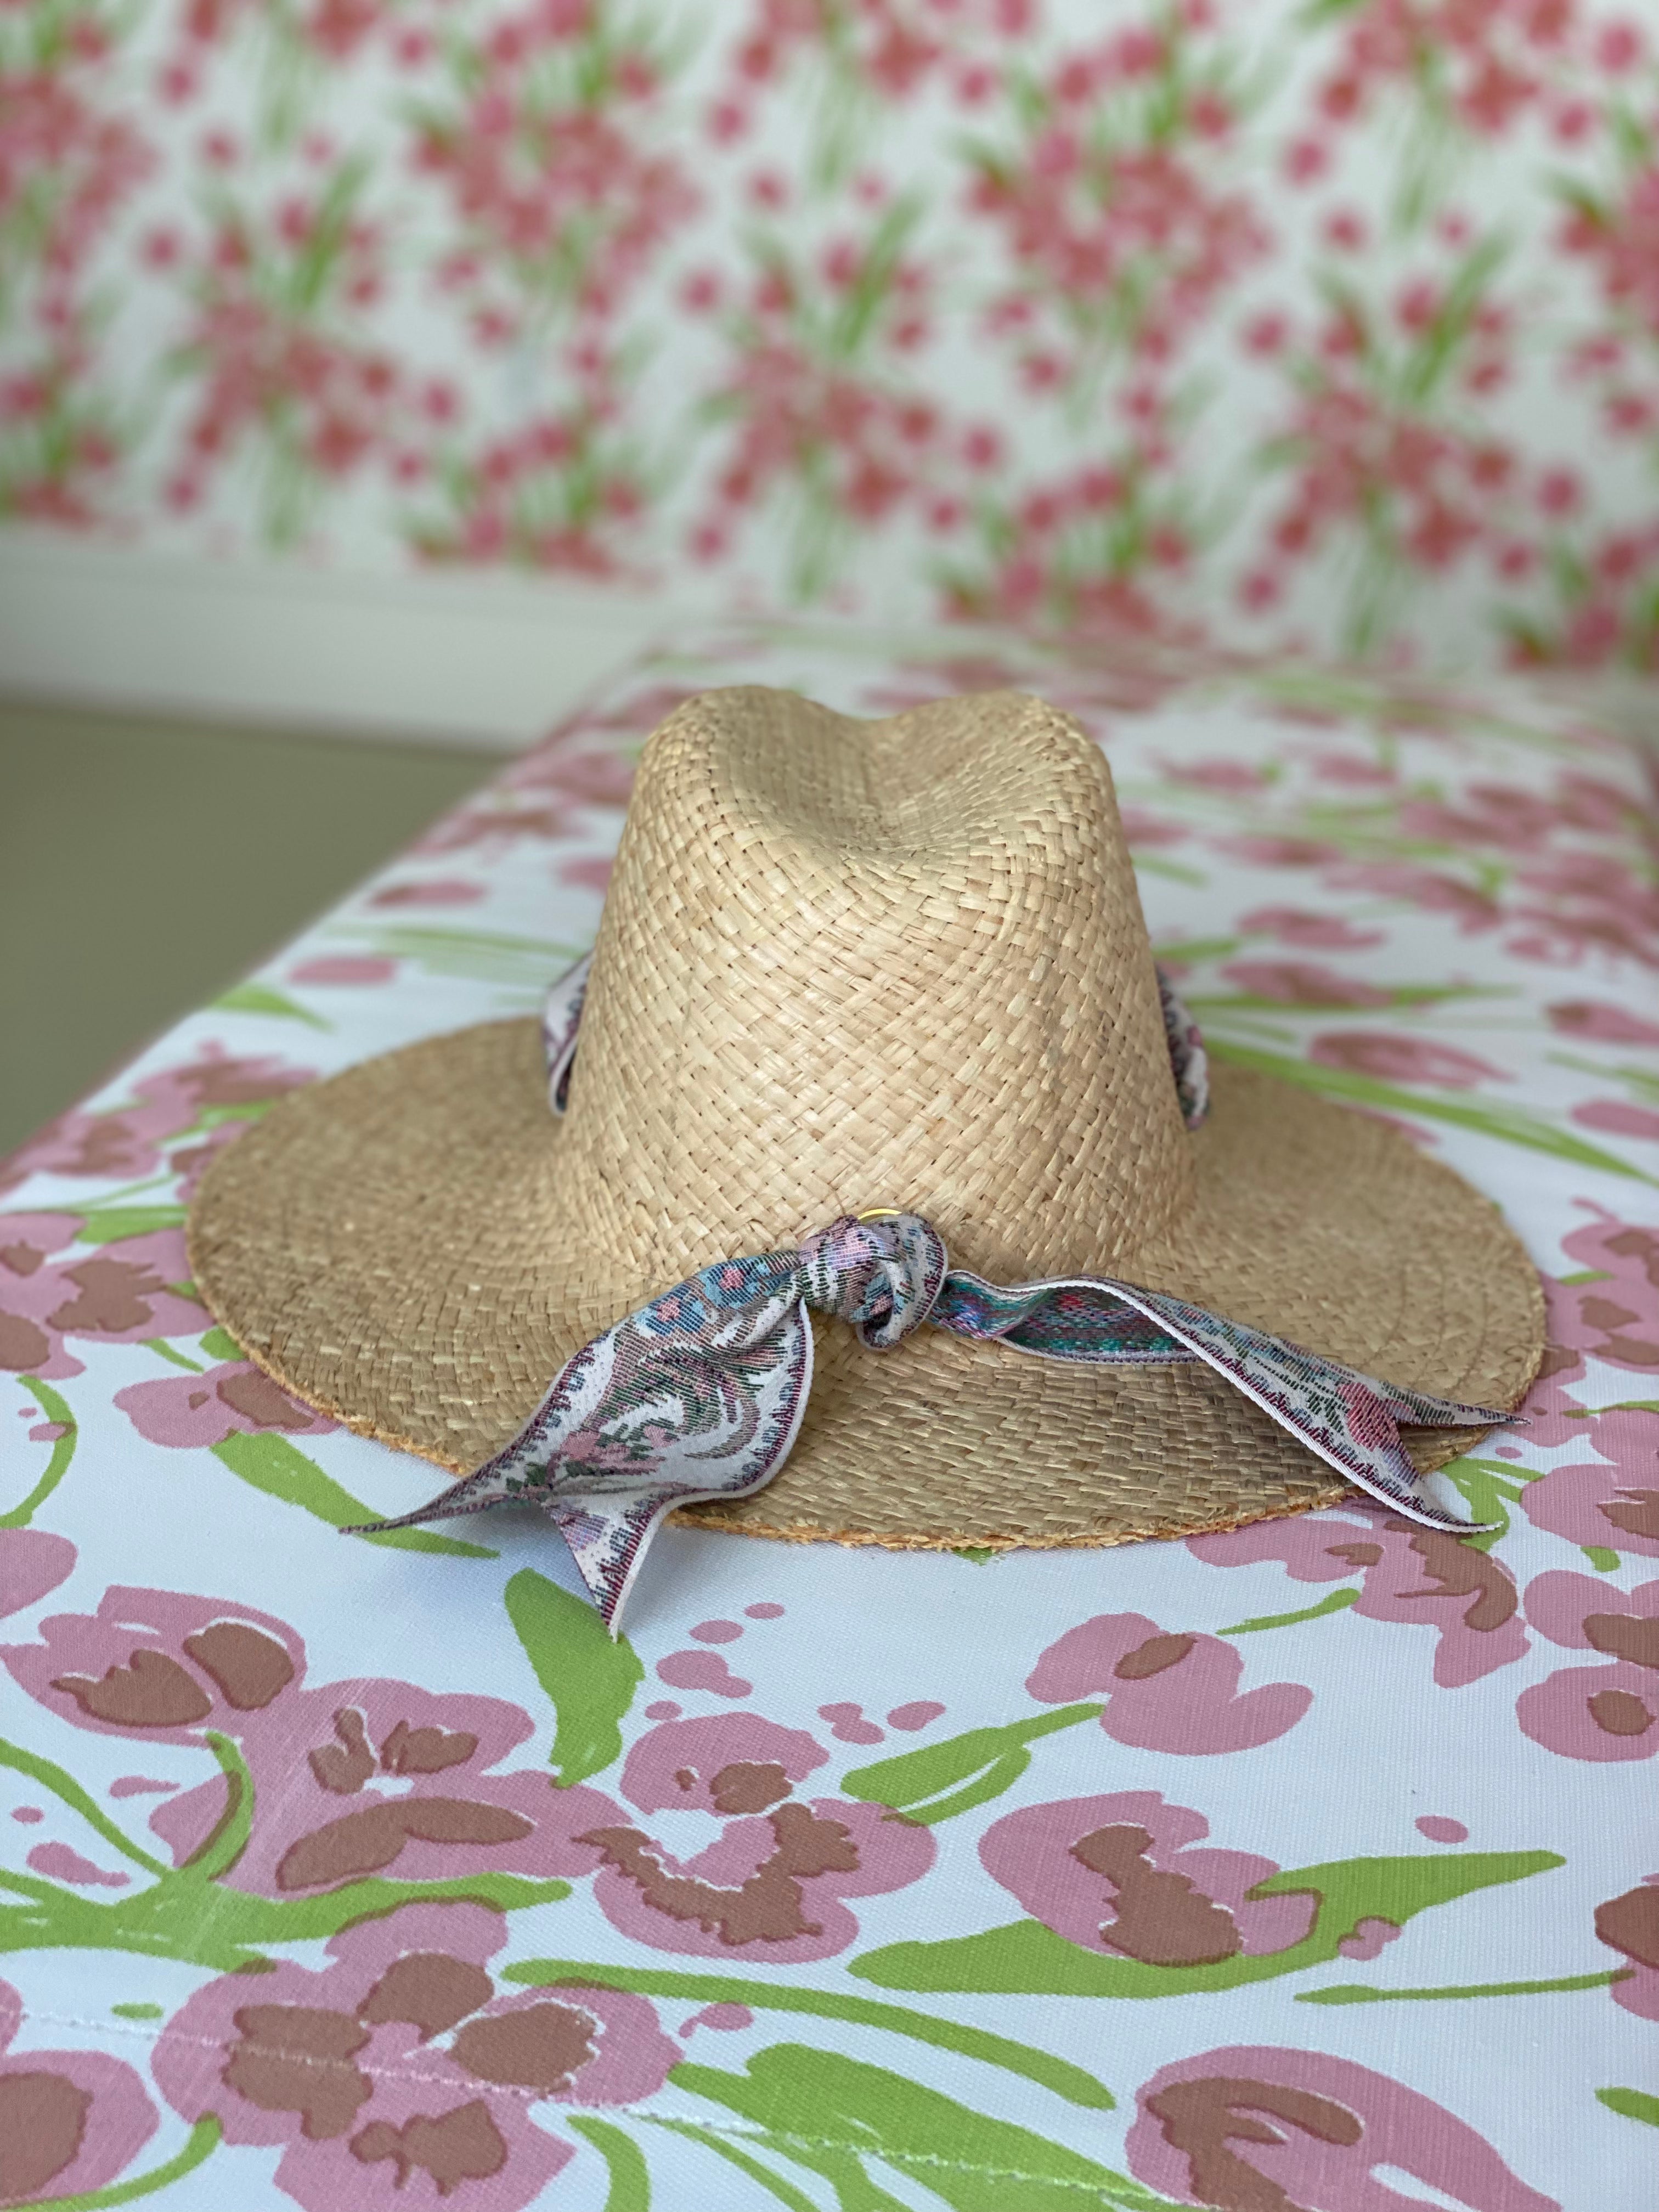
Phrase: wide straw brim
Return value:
(405, 1248)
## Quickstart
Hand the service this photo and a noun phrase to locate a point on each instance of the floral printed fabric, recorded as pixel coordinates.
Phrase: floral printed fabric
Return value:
(701, 1394)
(1331, 325)
(1312, 1860)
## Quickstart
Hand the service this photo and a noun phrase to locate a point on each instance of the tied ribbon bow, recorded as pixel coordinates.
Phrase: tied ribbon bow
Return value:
(700, 1394)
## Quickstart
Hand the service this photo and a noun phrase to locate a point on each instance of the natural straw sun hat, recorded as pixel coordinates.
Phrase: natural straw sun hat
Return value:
(842, 966)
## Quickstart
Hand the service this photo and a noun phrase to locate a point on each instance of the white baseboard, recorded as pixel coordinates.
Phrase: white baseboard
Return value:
(485, 659)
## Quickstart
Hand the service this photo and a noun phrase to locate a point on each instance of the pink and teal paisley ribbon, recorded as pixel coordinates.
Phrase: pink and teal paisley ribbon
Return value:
(700, 1394)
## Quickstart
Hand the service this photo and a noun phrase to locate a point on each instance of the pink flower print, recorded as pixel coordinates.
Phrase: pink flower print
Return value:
(1501, 814)
(112, 1294)
(1586, 1613)
(127, 1140)
(1312, 933)
(769, 1889)
(1427, 889)
(1617, 1117)
(358, 1778)
(1122, 1874)
(234, 1399)
(1253, 2128)
(1302, 984)
(32, 1562)
(1235, 777)
(150, 1663)
(1601, 1713)
(1397, 1058)
(71, 2121)
(1164, 1692)
(1630, 1925)
(1421, 1578)
(349, 1778)
(396, 2077)
(1611, 1508)
(429, 891)
(1600, 1024)
(1615, 1312)
(345, 968)
(1584, 903)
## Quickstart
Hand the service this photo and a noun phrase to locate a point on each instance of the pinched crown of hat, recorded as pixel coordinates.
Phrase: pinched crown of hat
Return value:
(843, 966)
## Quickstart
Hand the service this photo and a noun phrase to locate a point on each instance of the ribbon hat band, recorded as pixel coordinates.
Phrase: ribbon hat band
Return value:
(701, 1393)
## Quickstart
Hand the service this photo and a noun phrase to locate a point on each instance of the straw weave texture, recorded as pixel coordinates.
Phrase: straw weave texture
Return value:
(844, 965)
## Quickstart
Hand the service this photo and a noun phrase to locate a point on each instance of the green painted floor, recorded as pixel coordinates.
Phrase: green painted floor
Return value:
(146, 864)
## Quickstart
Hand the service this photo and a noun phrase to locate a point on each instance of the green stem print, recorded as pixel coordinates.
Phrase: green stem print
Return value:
(58, 1465)
(964, 1771)
(262, 998)
(1356, 1992)
(630, 2180)
(1336, 1601)
(589, 1677)
(1632, 2104)
(831, 2114)
(1025, 1958)
(113, 1225)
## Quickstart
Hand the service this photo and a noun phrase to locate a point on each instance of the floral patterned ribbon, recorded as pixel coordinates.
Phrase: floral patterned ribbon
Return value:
(701, 1393)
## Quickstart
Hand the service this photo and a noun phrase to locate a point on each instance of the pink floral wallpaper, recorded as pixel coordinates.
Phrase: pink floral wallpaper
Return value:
(1329, 324)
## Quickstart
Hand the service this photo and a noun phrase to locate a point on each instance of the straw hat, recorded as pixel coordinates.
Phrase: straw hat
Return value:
(845, 965)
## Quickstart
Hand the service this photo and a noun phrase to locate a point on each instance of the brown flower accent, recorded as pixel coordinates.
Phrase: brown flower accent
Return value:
(1630, 1923)
(345, 1766)
(1618, 1712)
(457, 2146)
(1636, 1512)
(363, 1842)
(1155, 1657)
(769, 1907)
(1452, 1569)
(263, 1401)
(1624, 1636)
(1204, 2118)
(23, 1345)
(151, 1691)
(539, 2048)
(748, 1786)
(297, 2058)
(430, 1989)
(43, 2123)
(249, 1667)
(425, 1750)
(1162, 1918)
(114, 1295)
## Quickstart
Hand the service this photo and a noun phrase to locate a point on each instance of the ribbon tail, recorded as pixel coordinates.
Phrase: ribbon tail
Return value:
(610, 1521)
(522, 1467)
(1342, 1416)
(561, 1014)
(468, 1495)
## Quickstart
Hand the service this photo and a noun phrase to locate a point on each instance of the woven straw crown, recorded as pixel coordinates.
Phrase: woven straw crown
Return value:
(845, 965)
(849, 966)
